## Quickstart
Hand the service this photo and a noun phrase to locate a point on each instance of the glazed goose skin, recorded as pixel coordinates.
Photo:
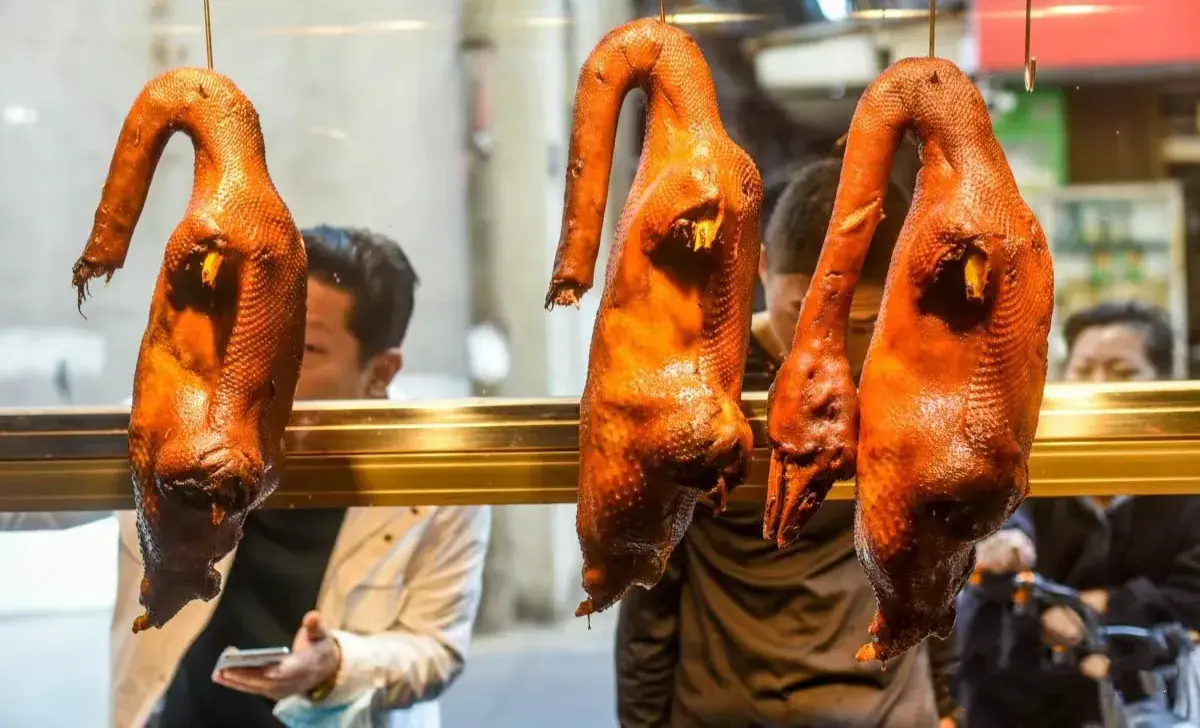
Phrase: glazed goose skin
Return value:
(221, 354)
(940, 429)
(660, 419)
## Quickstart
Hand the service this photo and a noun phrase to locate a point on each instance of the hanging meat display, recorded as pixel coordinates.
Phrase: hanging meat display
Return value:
(221, 354)
(940, 428)
(660, 419)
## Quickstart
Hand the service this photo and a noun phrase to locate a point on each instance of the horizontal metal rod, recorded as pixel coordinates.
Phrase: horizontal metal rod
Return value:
(1130, 439)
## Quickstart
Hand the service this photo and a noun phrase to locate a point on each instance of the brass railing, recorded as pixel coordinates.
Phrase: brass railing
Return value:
(1135, 439)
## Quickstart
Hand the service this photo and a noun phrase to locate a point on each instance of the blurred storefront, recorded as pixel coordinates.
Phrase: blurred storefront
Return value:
(445, 126)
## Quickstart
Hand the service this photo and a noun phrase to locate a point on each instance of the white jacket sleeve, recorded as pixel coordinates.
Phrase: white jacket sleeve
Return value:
(49, 521)
(427, 647)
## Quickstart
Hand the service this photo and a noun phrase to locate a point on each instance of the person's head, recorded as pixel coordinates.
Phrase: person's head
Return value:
(1118, 342)
(774, 186)
(361, 288)
(792, 245)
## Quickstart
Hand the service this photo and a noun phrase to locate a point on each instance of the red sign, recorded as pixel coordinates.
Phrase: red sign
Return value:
(1088, 33)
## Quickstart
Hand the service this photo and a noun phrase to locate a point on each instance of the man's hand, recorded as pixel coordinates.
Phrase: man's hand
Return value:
(1061, 626)
(314, 661)
(1007, 551)
(1097, 599)
(948, 723)
(1095, 667)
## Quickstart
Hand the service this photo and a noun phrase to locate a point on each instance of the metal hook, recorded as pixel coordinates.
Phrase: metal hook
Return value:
(208, 35)
(1030, 61)
(662, 11)
(932, 14)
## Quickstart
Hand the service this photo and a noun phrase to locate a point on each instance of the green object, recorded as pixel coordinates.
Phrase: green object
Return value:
(1101, 273)
(1133, 267)
(1034, 136)
(1100, 278)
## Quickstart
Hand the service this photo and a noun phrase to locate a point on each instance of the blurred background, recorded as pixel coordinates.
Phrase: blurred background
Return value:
(444, 125)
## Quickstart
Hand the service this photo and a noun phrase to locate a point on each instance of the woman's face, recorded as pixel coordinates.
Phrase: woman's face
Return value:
(1110, 353)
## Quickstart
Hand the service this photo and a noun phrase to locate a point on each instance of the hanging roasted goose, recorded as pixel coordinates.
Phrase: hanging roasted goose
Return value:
(220, 357)
(660, 420)
(940, 430)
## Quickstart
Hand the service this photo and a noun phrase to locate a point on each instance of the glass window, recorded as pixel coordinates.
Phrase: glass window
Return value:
(444, 126)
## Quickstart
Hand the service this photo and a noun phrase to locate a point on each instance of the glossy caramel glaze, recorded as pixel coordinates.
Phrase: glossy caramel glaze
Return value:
(947, 406)
(660, 420)
(220, 357)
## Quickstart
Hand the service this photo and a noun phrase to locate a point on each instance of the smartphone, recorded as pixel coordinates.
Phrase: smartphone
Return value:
(232, 657)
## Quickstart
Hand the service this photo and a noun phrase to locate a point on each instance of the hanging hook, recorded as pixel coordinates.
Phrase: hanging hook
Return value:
(208, 35)
(1030, 61)
(662, 11)
(932, 14)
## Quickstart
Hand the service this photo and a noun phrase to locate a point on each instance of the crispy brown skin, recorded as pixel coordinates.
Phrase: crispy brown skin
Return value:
(219, 361)
(660, 419)
(950, 393)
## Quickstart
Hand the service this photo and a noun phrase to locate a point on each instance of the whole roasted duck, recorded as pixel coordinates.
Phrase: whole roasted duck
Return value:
(219, 361)
(952, 384)
(660, 420)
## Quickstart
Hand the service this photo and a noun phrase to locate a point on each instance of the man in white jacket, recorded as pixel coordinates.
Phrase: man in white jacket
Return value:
(377, 604)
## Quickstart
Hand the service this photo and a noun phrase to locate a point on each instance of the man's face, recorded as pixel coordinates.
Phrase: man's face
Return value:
(332, 367)
(785, 294)
(1111, 353)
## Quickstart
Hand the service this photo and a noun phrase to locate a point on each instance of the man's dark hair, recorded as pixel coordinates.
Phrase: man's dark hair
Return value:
(1151, 320)
(375, 272)
(797, 226)
(774, 185)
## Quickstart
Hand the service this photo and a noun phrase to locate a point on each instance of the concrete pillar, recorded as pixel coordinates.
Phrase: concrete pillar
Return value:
(535, 48)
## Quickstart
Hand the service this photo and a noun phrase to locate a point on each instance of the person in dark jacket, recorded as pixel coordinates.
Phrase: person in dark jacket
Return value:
(1135, 559)
(740, 634)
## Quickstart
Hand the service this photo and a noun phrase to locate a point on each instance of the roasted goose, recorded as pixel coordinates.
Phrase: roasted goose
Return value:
(221, 354)
(660, 420)
(953, 380)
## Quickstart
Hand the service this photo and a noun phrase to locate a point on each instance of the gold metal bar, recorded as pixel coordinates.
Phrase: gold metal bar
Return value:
(208, 35)
(1092, 440)
(1030, 61)
(932, 26)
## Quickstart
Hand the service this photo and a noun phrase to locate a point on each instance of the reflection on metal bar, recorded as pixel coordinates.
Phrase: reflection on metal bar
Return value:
(1132, 439)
